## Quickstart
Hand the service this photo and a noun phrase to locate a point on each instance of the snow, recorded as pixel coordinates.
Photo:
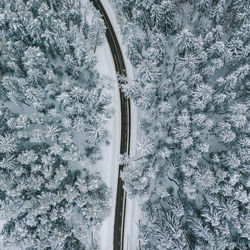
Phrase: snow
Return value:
(133, 212)
(2, 222)
(131, 224)
(109, 165)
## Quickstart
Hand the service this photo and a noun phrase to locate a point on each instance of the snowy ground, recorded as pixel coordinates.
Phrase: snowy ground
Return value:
(109, 165)
(132, 209)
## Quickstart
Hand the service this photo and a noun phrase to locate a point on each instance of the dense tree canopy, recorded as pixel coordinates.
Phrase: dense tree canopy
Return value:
(53, 115)
(191, 86)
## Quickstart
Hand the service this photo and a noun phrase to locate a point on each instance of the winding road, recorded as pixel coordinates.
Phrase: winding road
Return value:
(120, 209)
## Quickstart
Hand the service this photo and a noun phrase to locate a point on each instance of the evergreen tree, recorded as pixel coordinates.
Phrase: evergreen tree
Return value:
(193, 103)
(52, 125)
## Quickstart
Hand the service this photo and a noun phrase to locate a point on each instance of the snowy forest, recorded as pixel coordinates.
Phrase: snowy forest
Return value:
(191, 87)
(54, 107)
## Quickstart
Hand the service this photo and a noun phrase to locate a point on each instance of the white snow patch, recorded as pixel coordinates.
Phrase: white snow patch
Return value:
(109, 165)
(133, 212)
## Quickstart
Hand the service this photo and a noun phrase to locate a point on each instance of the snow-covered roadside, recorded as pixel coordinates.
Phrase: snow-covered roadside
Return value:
(133, 212)
(132, 208)
(109, 165)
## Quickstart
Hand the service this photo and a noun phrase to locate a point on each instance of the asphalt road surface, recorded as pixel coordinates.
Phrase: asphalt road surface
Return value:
(120, 210)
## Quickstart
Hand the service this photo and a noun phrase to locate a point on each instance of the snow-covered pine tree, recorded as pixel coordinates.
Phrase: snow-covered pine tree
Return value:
(196, 114)
(48, 88)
